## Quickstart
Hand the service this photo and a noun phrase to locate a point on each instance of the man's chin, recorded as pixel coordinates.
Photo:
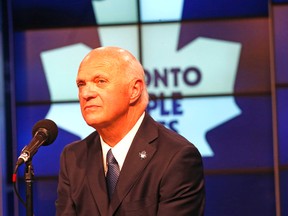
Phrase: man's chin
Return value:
(95, 124)
(91, 121)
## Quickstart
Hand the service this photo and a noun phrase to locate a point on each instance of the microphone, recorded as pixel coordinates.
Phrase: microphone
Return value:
(44, 132)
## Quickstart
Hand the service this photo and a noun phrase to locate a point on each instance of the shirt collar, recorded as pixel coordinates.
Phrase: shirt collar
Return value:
(120, 150)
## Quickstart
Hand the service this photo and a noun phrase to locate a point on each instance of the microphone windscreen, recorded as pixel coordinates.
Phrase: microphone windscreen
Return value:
(51, 128)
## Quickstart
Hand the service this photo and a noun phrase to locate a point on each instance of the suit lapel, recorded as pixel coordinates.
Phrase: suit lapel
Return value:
(134, 164)
(95, 174)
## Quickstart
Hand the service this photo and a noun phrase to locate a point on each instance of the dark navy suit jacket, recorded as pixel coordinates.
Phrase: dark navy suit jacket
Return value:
(168, 181)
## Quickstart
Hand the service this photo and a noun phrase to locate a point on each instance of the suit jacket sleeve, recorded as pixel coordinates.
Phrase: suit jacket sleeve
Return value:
(182, 186)
(64, 203)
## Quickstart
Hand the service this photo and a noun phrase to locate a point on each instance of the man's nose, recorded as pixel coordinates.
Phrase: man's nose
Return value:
(87, 92)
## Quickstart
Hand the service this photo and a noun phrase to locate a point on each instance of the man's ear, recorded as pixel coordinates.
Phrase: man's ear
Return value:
(136, 88)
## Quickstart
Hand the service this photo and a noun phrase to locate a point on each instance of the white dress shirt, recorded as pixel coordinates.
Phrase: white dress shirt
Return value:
(120, 150)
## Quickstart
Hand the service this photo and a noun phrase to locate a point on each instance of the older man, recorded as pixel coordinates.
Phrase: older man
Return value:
(131, 165)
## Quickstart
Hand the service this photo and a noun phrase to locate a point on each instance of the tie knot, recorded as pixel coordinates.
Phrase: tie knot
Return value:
(110, 158)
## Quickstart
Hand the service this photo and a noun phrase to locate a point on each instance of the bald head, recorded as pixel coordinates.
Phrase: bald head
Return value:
(110, 53)
(111, 88)
(119, 60)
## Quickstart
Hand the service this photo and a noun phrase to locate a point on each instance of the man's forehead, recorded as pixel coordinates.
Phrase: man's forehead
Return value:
(104, 67)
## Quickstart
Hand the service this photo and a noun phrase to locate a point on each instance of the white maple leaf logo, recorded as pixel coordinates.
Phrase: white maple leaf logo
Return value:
(198, 115)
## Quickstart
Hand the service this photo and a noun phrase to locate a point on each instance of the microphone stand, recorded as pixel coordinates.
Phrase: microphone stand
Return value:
(29, 177)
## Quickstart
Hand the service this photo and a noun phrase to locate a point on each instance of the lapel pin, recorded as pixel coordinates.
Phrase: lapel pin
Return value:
(143, 155)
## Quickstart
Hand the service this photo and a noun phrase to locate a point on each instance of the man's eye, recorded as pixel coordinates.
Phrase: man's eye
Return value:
(80, 84)
(101, 81)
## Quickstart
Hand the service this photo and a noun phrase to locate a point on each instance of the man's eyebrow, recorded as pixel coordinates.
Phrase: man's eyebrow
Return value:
(79, 81)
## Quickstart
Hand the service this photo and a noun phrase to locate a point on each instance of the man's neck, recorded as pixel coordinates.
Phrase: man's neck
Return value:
(115, 132)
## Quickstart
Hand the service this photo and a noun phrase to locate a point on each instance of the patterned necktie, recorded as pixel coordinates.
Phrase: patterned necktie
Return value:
(112, 173)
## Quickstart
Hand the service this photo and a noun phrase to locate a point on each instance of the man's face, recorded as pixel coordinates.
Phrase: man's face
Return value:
(103, 94)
